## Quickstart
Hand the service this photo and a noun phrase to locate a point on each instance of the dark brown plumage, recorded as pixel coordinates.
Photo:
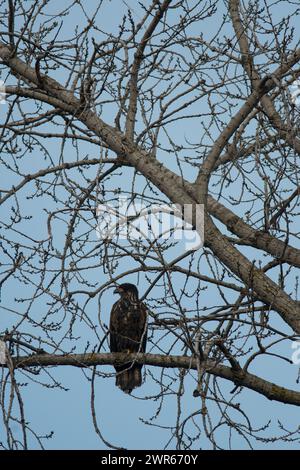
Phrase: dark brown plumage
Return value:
(128, 333)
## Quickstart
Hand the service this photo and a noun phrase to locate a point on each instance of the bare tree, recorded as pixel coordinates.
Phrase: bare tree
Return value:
(166, 101)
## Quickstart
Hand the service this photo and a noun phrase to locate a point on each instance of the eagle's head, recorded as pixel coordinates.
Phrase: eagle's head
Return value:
(127, 290)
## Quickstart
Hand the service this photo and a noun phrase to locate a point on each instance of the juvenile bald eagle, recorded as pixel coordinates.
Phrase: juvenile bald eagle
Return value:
(128, 333)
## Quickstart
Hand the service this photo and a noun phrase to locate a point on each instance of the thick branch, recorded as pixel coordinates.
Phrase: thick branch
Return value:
(261, 240)
(268, 389)
(262, 285)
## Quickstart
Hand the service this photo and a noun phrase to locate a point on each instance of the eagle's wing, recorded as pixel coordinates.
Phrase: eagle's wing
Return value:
(128, 327)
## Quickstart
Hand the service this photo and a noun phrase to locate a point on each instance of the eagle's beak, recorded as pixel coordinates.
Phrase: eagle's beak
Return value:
(117, 290)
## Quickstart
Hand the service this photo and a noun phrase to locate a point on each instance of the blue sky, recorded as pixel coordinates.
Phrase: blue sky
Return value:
(122, 418)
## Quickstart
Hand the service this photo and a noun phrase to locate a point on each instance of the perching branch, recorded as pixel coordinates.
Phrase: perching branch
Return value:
(244, 379)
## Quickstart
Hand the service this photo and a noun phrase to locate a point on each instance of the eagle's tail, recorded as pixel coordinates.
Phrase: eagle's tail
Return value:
(129, 379)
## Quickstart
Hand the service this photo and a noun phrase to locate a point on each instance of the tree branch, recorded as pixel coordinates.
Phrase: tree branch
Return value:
(138, 57)
(251, 381)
